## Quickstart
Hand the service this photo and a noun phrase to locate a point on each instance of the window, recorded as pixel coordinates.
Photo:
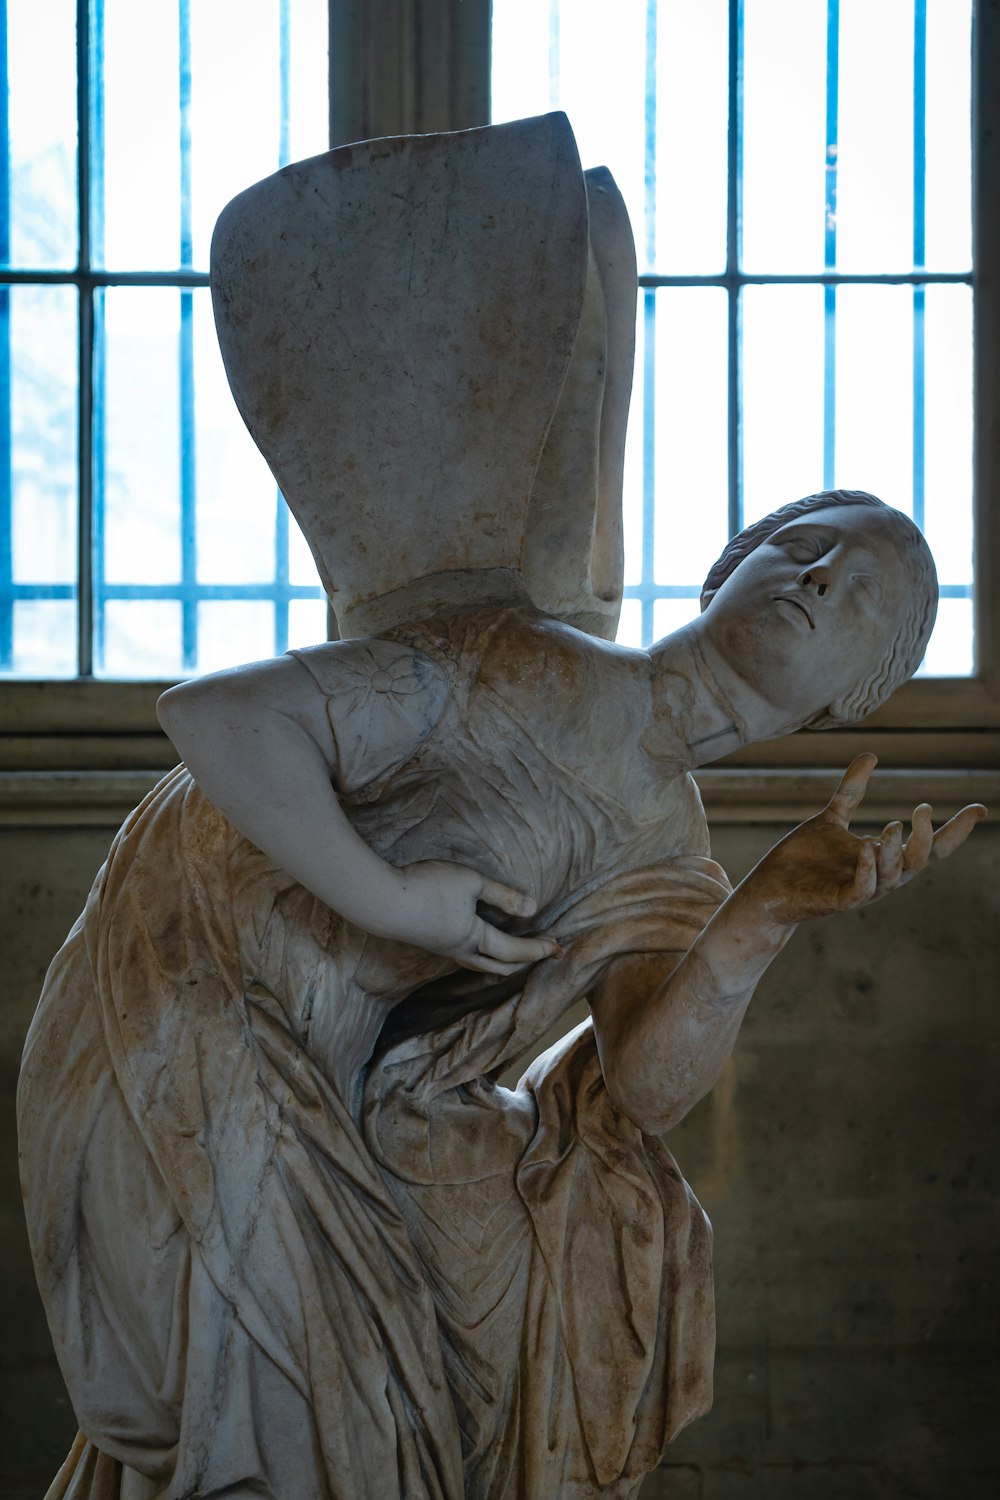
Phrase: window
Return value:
(798, 176)
(419, 65)
(140, 532)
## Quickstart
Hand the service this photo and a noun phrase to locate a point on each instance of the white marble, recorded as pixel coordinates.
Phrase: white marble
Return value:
(293, 1239)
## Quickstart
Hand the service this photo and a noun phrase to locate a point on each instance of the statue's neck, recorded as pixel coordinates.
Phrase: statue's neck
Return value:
(693, 722)
(701, 713)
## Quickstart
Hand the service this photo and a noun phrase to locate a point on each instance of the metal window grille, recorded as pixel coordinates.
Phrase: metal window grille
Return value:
(92, 590)
(733, 279)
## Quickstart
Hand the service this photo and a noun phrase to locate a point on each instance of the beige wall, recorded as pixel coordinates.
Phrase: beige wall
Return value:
(849, 1160)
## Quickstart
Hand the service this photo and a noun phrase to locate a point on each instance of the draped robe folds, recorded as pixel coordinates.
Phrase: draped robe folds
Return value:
(281, 1257)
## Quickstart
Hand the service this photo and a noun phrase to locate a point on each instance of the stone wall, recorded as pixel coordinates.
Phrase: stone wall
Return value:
(848, 1158)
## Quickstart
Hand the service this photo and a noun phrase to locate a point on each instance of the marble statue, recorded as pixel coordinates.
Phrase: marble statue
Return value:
(294, 1238)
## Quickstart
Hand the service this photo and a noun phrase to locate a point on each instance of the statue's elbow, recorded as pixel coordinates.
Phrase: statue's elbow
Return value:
(654, 1103)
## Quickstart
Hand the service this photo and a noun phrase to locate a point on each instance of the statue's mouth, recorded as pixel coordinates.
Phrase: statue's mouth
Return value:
(797, 603)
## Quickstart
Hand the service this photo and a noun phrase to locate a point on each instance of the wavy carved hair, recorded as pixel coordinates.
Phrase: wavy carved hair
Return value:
(908, 644)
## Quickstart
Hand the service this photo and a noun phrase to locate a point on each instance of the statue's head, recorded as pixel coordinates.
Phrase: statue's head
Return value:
(825, 606)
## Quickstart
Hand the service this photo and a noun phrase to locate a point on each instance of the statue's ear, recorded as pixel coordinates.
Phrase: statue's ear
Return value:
(834, 717)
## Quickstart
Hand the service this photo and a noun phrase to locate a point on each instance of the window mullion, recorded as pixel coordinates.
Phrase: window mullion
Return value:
(919, 252)
(986, 344)
(6, 476)
(830, 243)
(281, 595)
(187, 438)
(734, 257)
(649, 336)
(89, 86)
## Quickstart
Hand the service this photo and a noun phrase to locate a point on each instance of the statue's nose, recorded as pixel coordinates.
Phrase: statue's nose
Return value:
(818, 576)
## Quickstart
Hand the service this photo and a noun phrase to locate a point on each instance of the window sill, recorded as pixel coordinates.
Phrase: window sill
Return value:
(103, 799)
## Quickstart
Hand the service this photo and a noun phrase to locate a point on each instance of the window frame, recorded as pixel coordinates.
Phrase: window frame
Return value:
(401, 66)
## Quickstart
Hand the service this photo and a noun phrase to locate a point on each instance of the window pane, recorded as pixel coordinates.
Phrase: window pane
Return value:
(237, 495)
(630, 623)
(140, 476)
(874, 446)
(258, 97)
(784, 135)
(671, 614)
(782, 396)
(41, 174)
(244, 69)
(949, 137)
(143, 638)
(949, 651)
(948, 431)
(38, 475)
(664, 151)
(45, 637)
(306, 622)
(875, 139)
(196, 540)
(301, 568)
(141, 198)
(690, 453)
(234, 631)
(633, 489)
(578, 58)
(692, 109)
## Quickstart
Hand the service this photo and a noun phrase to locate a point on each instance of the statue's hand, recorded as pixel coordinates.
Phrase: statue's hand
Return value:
(437, 910)
(822, 868)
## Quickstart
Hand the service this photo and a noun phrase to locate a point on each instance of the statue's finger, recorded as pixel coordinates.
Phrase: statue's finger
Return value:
(853, 784)
(865, 881)
(515, 903)
(483, 965)
(514, 950)
(918, 846)
(889, 856)
(956, 830)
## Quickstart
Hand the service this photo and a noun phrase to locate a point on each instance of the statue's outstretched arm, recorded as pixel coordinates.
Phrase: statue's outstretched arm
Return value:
(663, 1042)
(259, 743)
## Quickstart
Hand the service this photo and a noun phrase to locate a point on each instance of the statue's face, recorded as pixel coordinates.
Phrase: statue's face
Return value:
(810, 614)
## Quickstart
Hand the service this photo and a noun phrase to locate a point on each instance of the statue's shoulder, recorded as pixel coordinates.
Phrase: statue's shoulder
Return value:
(384, 698)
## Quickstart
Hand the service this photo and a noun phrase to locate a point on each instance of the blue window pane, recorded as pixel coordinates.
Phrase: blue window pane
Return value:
(140, 473)
(38, 472)
(949, 137)
(671, 614)
(690, 457)
(634, 496)
(875, 136)
(665, 146)
(630, 632)
(141, 167)
(44, 637)
(237, 499)
(784, 135)
(224, 95)
(232, 631)
(948, 431)
(301, 568)
(142, 638)
(306, 622)
(783, 395)
(247, 72)
(187, 513)
(874, 443)
(38, 218)
(692, 117)
(950, 649)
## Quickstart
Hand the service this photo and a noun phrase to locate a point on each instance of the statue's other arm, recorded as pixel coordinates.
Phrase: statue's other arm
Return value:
(663, 1041)
(259, 742)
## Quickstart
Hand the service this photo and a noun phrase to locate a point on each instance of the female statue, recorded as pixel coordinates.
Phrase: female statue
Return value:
(294, 1238)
